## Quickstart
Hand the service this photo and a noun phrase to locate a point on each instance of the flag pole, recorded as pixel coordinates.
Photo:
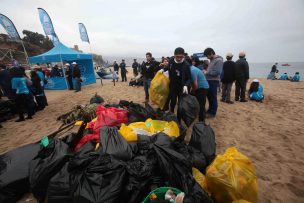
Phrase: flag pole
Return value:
(25, 53)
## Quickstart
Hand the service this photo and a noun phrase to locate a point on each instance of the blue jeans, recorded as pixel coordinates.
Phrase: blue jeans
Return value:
(77, 84)
(212, 96)
(147, 83)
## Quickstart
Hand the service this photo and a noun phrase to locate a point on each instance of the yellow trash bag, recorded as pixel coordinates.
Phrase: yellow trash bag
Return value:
(79, 123)
(159, 89)
(149, 128)
(200, 179)
(240, 201)
(232, 176)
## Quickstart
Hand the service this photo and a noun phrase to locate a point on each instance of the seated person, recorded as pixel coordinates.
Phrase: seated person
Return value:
(136, 81)
(296, 77)
(256, 91)
(284, 77)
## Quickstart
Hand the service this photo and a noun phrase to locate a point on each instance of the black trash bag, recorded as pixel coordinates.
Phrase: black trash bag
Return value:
(142, 179)
(14, 172)
(176, 169)
(138, 113)
(111, 142)
(45, 165)
(7, 109)
(69, 139)
(188, 108)
(96, 99)
(102, 181)
(203, 139)
(59, 188)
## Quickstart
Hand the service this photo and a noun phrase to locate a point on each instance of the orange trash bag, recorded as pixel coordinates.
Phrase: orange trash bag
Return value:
(232, 176)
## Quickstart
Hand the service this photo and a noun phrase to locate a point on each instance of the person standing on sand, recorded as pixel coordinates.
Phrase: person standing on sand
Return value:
(135, 66)
(213, 77)
(200, 87)
(69, 76)
(77, 77)
(180, 77)
(148, 70)
(241, 76)
(227, 78)
(123, 71)
(116, 69)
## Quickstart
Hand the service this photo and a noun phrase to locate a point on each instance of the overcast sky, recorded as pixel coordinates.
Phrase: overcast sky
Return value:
(267, 30)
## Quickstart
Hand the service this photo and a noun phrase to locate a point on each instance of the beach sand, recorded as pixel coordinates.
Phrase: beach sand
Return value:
(269, 133)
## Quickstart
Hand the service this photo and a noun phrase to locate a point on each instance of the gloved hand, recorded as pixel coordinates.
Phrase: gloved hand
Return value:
(185, 90)
(161, 70)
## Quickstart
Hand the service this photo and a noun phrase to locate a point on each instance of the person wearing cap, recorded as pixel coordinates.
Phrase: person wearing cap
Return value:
(213, 77)
(135, 66)
(123, 71)
(69, 76)
(199, 87)
(77, 77)
(241, 77)
(148, 70)
(227, 78)
(180, 77)
(256, 91)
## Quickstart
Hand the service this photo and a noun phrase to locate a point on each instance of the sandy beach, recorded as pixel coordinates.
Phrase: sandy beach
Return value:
(269, 133)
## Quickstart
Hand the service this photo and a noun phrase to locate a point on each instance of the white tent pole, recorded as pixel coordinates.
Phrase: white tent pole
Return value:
(25, 53)
(65, 79)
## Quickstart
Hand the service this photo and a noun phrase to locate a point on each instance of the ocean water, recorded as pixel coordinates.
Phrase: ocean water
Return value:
(256, 70)
(261, 70)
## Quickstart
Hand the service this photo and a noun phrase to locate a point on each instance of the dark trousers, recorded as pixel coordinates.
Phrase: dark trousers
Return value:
(24, 101)
(147, 83)
(70, 83)
(212, 96)
(201, 95)
(123, 76)
(40, 102)
(226, 91)
(78, 84)
(240, 89)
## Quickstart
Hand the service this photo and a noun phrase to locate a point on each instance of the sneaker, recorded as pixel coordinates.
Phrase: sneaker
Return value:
(236, 99)
(20, 120)
(243, 100)
(29, 117)
(77, 91)
(229, 102)
(223, 100)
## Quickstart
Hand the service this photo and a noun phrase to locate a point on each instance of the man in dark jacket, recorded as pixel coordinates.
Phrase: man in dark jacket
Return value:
(5, 82)
(123, 71)
(77, 77)
(148, 70)
(116, 69)
(241, 76)
(180, 77)
(135, 66)
(227, 78)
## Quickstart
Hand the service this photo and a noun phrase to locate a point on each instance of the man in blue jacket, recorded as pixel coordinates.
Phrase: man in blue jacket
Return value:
(213, 77)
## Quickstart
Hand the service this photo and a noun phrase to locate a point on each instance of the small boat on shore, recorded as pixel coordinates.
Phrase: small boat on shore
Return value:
(285, 64)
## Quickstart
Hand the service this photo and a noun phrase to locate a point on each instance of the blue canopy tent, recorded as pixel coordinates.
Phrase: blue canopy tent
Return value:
(61, 53)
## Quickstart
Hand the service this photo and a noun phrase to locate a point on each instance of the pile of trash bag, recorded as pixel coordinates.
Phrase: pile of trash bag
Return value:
(123, 161)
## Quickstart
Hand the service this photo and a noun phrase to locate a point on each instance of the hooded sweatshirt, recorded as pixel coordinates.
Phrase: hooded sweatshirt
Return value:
(215, 68)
